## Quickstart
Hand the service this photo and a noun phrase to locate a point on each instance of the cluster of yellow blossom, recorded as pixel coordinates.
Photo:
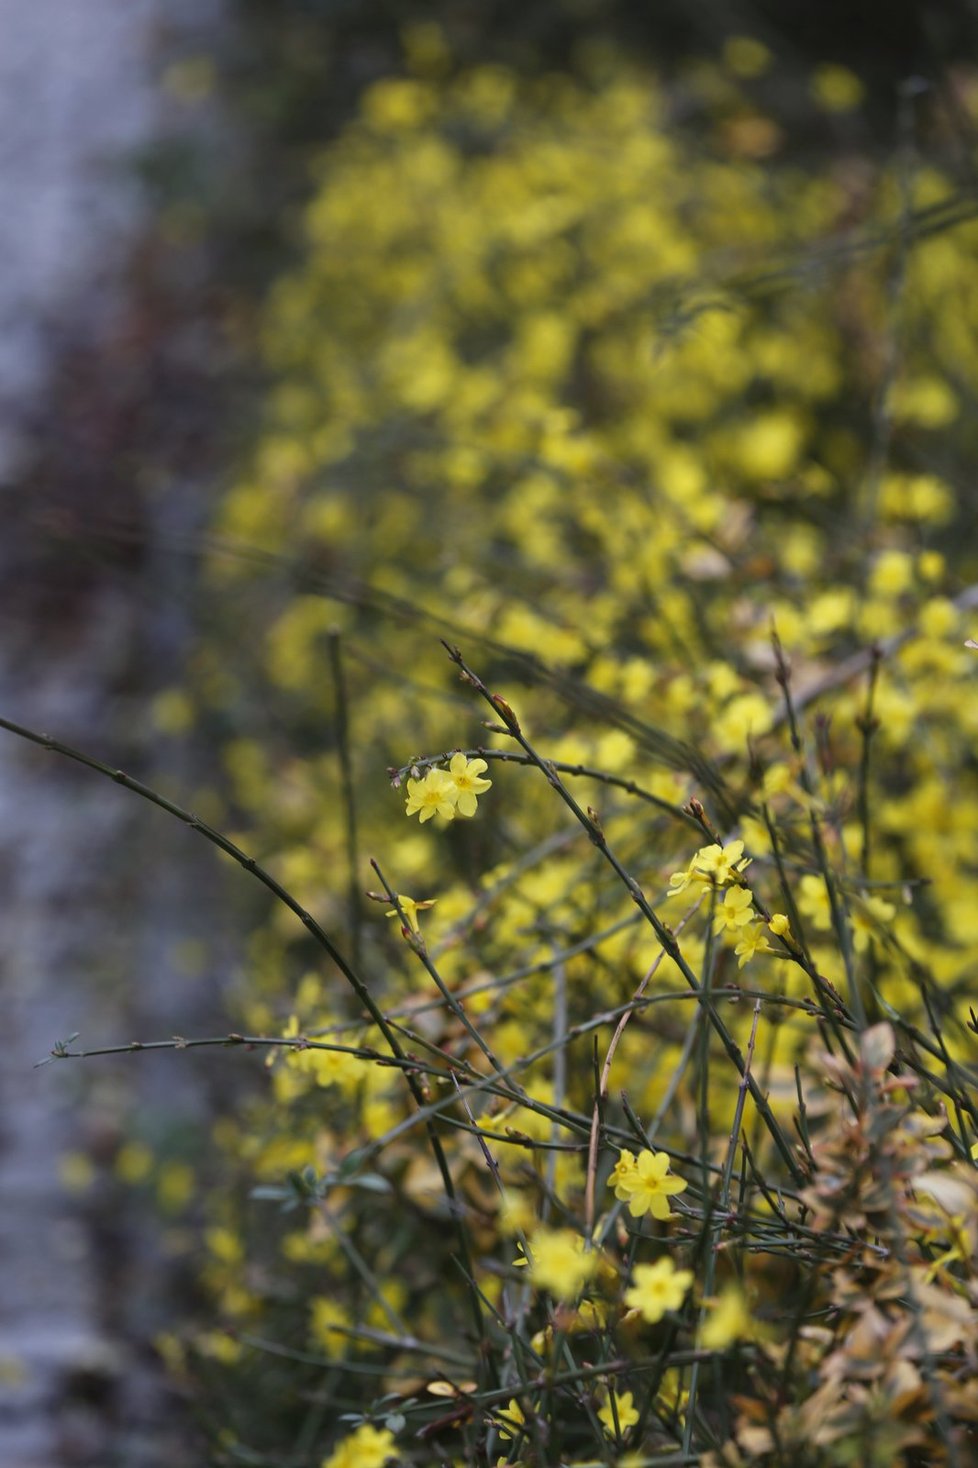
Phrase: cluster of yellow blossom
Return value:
(450, 792)
(643, 1182)
(327, 1067)
(716, 868)
(573, 422)
(712, 866)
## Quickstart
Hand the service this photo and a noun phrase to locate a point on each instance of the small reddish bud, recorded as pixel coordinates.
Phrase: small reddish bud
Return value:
(500, 703)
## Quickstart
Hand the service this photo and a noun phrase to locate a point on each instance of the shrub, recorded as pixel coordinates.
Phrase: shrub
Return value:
(641, 1130)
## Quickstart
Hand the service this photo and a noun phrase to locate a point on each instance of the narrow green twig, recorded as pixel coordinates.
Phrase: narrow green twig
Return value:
(512, 757)
(61, 1051)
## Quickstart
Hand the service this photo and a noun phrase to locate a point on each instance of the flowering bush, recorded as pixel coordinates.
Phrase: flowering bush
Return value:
(652, 1140)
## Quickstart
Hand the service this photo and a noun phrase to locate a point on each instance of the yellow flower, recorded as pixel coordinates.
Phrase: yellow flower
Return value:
(326, 1315)
(367, 1447)
(643, 1183)
(721, 863)
(717, 865)
(516, 1213)
(622, 1169)
(836, 88)
(736, 910)
(590, 1315)
(869, 915)
(729, 1320)
(623, 1409)
(560, 1264)
(752, 943)
(679, 881)
(657, 1288)
(436, 794)
(510, 1420)
(466, 776)
(746, 57)
(411, 909)
(813, 900)
(743, 716)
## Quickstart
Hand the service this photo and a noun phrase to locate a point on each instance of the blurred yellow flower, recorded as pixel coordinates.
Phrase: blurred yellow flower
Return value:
(813, 900)
(559, 1263)
(729, 1320)
(657, 1288)
(746, 56)
(367, 1447)
(836, 88)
